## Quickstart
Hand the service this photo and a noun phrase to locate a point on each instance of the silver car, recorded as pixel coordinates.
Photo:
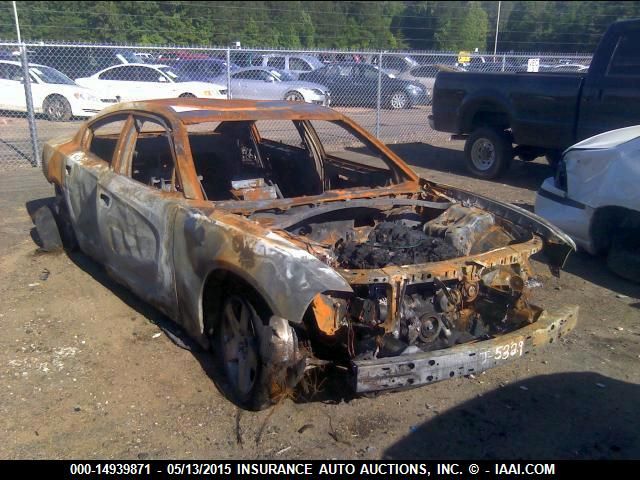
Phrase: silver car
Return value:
(292, 64)
(259, 83)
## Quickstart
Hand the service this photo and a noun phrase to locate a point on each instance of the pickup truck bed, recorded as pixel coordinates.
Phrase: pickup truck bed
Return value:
(541, 113)
(520, 101)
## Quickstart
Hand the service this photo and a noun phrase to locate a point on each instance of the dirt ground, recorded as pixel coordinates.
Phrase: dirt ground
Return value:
(85, 371)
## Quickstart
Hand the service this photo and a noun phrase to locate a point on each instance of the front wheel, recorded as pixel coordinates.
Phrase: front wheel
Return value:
(623, 257)
(294, 97)
(57, 108)
(488, 152)
(187, 95)
(238, 348)
(399, 100)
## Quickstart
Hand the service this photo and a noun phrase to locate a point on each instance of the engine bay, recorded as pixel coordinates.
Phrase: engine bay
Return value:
(395, 313)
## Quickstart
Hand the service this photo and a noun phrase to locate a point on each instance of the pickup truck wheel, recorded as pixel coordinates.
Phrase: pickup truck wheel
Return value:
(238, 348)
(488, 153)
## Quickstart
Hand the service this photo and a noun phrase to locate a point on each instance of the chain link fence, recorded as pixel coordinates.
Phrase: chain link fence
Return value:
(69, 83)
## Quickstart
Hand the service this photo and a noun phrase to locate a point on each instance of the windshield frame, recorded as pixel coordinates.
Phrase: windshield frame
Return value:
(172, 75)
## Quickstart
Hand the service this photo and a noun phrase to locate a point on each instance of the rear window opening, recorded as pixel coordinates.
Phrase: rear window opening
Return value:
(258, 160)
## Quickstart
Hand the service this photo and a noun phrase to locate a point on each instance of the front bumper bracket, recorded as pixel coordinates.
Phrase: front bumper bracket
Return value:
(469, 358)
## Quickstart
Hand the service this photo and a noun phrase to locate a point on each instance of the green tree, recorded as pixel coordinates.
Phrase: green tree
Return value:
(465, 30)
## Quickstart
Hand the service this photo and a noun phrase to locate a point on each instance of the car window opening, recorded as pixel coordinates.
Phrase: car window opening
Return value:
(249, 160)
(152, 161)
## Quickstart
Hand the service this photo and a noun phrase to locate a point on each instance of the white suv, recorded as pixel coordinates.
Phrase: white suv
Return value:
(594, 197)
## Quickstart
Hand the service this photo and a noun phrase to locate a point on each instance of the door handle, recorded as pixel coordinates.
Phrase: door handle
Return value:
(106, 199)
(68, 169)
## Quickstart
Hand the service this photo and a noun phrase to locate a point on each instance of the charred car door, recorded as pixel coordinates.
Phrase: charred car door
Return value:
(136, 212)
(82, 170)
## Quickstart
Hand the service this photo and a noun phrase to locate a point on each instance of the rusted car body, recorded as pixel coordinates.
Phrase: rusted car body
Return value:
(281, 253)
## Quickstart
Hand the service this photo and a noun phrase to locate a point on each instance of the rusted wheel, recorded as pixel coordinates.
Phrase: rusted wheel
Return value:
(238, 347)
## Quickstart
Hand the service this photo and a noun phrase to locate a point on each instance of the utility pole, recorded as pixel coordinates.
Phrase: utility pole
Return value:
(495, 44)
(26, 80)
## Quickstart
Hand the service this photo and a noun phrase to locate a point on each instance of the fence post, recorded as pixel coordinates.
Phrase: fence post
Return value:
(228, 73)
(504, 61)
(35, 161)
(378, 106)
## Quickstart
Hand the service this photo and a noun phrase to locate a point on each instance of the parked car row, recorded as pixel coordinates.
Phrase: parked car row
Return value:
(54, 94)
(338, 79)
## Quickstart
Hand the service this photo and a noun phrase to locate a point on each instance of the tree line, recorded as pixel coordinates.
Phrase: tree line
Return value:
(551, 26)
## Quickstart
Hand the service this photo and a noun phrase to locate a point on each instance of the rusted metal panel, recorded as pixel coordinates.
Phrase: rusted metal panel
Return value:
(472, 358)
(287, 277)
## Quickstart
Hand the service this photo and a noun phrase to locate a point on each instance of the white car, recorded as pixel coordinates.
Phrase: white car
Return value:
(140, 81)
(595, 198)
(54, 94)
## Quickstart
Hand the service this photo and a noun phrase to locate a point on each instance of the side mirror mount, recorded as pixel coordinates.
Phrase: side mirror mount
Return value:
(162, 79)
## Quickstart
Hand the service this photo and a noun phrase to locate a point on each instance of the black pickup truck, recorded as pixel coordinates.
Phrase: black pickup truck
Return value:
(541, 113)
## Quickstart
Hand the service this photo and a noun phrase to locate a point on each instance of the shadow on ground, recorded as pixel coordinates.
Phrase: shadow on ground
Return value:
(528, 175)
(326, 386)
(594, 269)
(560, 416)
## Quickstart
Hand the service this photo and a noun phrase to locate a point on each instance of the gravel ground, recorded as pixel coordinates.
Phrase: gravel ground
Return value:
(85, 371)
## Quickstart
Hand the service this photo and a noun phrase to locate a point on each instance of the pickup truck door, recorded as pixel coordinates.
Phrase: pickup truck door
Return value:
(136, 207)
(611, 92)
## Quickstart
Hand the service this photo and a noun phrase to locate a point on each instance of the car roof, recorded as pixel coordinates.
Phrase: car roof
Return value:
(189, 111)
(257, 67)
(13, 62)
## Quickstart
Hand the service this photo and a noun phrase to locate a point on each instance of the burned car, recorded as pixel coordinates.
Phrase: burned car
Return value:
(283, 236)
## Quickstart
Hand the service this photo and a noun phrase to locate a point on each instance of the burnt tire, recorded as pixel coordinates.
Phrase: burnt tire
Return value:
(237, 345)
(623, 257)
(57, 108)
(47, 228)
(488, 152)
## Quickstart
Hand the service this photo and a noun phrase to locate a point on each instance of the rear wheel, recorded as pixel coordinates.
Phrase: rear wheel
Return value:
(57, 108)
(47, 228)
(187, 95)
(488, 152)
